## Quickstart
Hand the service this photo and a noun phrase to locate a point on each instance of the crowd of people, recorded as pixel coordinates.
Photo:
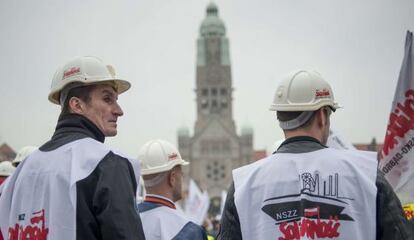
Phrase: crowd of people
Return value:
(76, 187)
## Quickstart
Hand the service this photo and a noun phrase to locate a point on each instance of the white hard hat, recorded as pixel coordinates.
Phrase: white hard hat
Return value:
(23, 153)
(303, 91)
(158, 156)
(86, 71)
(6, 168)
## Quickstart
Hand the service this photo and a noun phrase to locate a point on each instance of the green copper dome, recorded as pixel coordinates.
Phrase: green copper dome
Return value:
(212, 25)
(183, 131)
(246, 130)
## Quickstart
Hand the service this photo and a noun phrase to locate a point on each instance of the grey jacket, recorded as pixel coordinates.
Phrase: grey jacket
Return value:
(391, 222)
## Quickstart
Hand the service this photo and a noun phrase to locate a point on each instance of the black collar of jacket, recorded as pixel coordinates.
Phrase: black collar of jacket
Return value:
(300, 144)
(76, 123)
(72, 127)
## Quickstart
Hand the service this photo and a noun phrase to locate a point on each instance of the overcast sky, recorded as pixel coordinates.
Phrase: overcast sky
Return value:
(356, 45)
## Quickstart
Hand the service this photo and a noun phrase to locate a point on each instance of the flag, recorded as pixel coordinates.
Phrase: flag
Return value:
(397, 154)
(311, 212)
(197, 204)
(140, 191)
(337, 141)
(223, 202)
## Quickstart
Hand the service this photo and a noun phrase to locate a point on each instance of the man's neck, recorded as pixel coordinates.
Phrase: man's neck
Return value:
(297, 133)
(155, 198)
(162, 193)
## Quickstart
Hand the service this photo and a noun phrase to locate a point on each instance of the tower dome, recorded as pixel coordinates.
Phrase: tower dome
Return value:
(183, 131)
(246, 130)
(212, 25)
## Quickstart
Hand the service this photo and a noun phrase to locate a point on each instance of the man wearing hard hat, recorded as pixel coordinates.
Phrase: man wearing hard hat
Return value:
(161, 169)
(6, 169)
(306, 190)
(22, 154)
(74, 186)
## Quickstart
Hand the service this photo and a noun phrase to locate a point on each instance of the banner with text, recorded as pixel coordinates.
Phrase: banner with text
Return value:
(397, 155)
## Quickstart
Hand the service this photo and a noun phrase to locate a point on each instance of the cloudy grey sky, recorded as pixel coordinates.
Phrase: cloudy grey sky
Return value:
(356, 45)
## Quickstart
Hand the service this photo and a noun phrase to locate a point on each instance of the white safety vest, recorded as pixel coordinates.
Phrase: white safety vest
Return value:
(163, 223)
(40, 197)
(325, 194)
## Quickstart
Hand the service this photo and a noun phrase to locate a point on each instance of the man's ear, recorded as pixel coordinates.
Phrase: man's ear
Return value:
(171, 178)
(320, 117)
(76, 105)
(325, 115)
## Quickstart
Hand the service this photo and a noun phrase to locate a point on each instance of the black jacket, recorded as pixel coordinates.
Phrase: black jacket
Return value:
(105, 199)
(391, 223)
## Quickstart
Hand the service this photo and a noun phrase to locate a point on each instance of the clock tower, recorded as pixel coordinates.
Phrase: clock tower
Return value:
(213, 84)
(215, 147)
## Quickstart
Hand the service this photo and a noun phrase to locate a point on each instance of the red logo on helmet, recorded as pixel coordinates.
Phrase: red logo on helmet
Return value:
(70, 72)
(322, 93)
(172, 156)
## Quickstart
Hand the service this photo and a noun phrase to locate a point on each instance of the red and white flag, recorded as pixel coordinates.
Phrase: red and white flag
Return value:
(397, 155)
(311, 212)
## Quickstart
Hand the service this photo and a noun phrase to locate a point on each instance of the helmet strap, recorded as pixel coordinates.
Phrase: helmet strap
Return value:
(155, 180)
(297, 122)
(65, 91)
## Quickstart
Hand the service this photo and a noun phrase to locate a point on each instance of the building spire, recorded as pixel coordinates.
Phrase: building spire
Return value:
(212, 9)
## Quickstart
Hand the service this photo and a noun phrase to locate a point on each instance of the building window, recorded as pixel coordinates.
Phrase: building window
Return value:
(215, 148)
(223, 103)
(223, 92)
(216, 171)
(204, 103)
(214, 103)
(225, 146)
(204, 92)
(214, 91)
